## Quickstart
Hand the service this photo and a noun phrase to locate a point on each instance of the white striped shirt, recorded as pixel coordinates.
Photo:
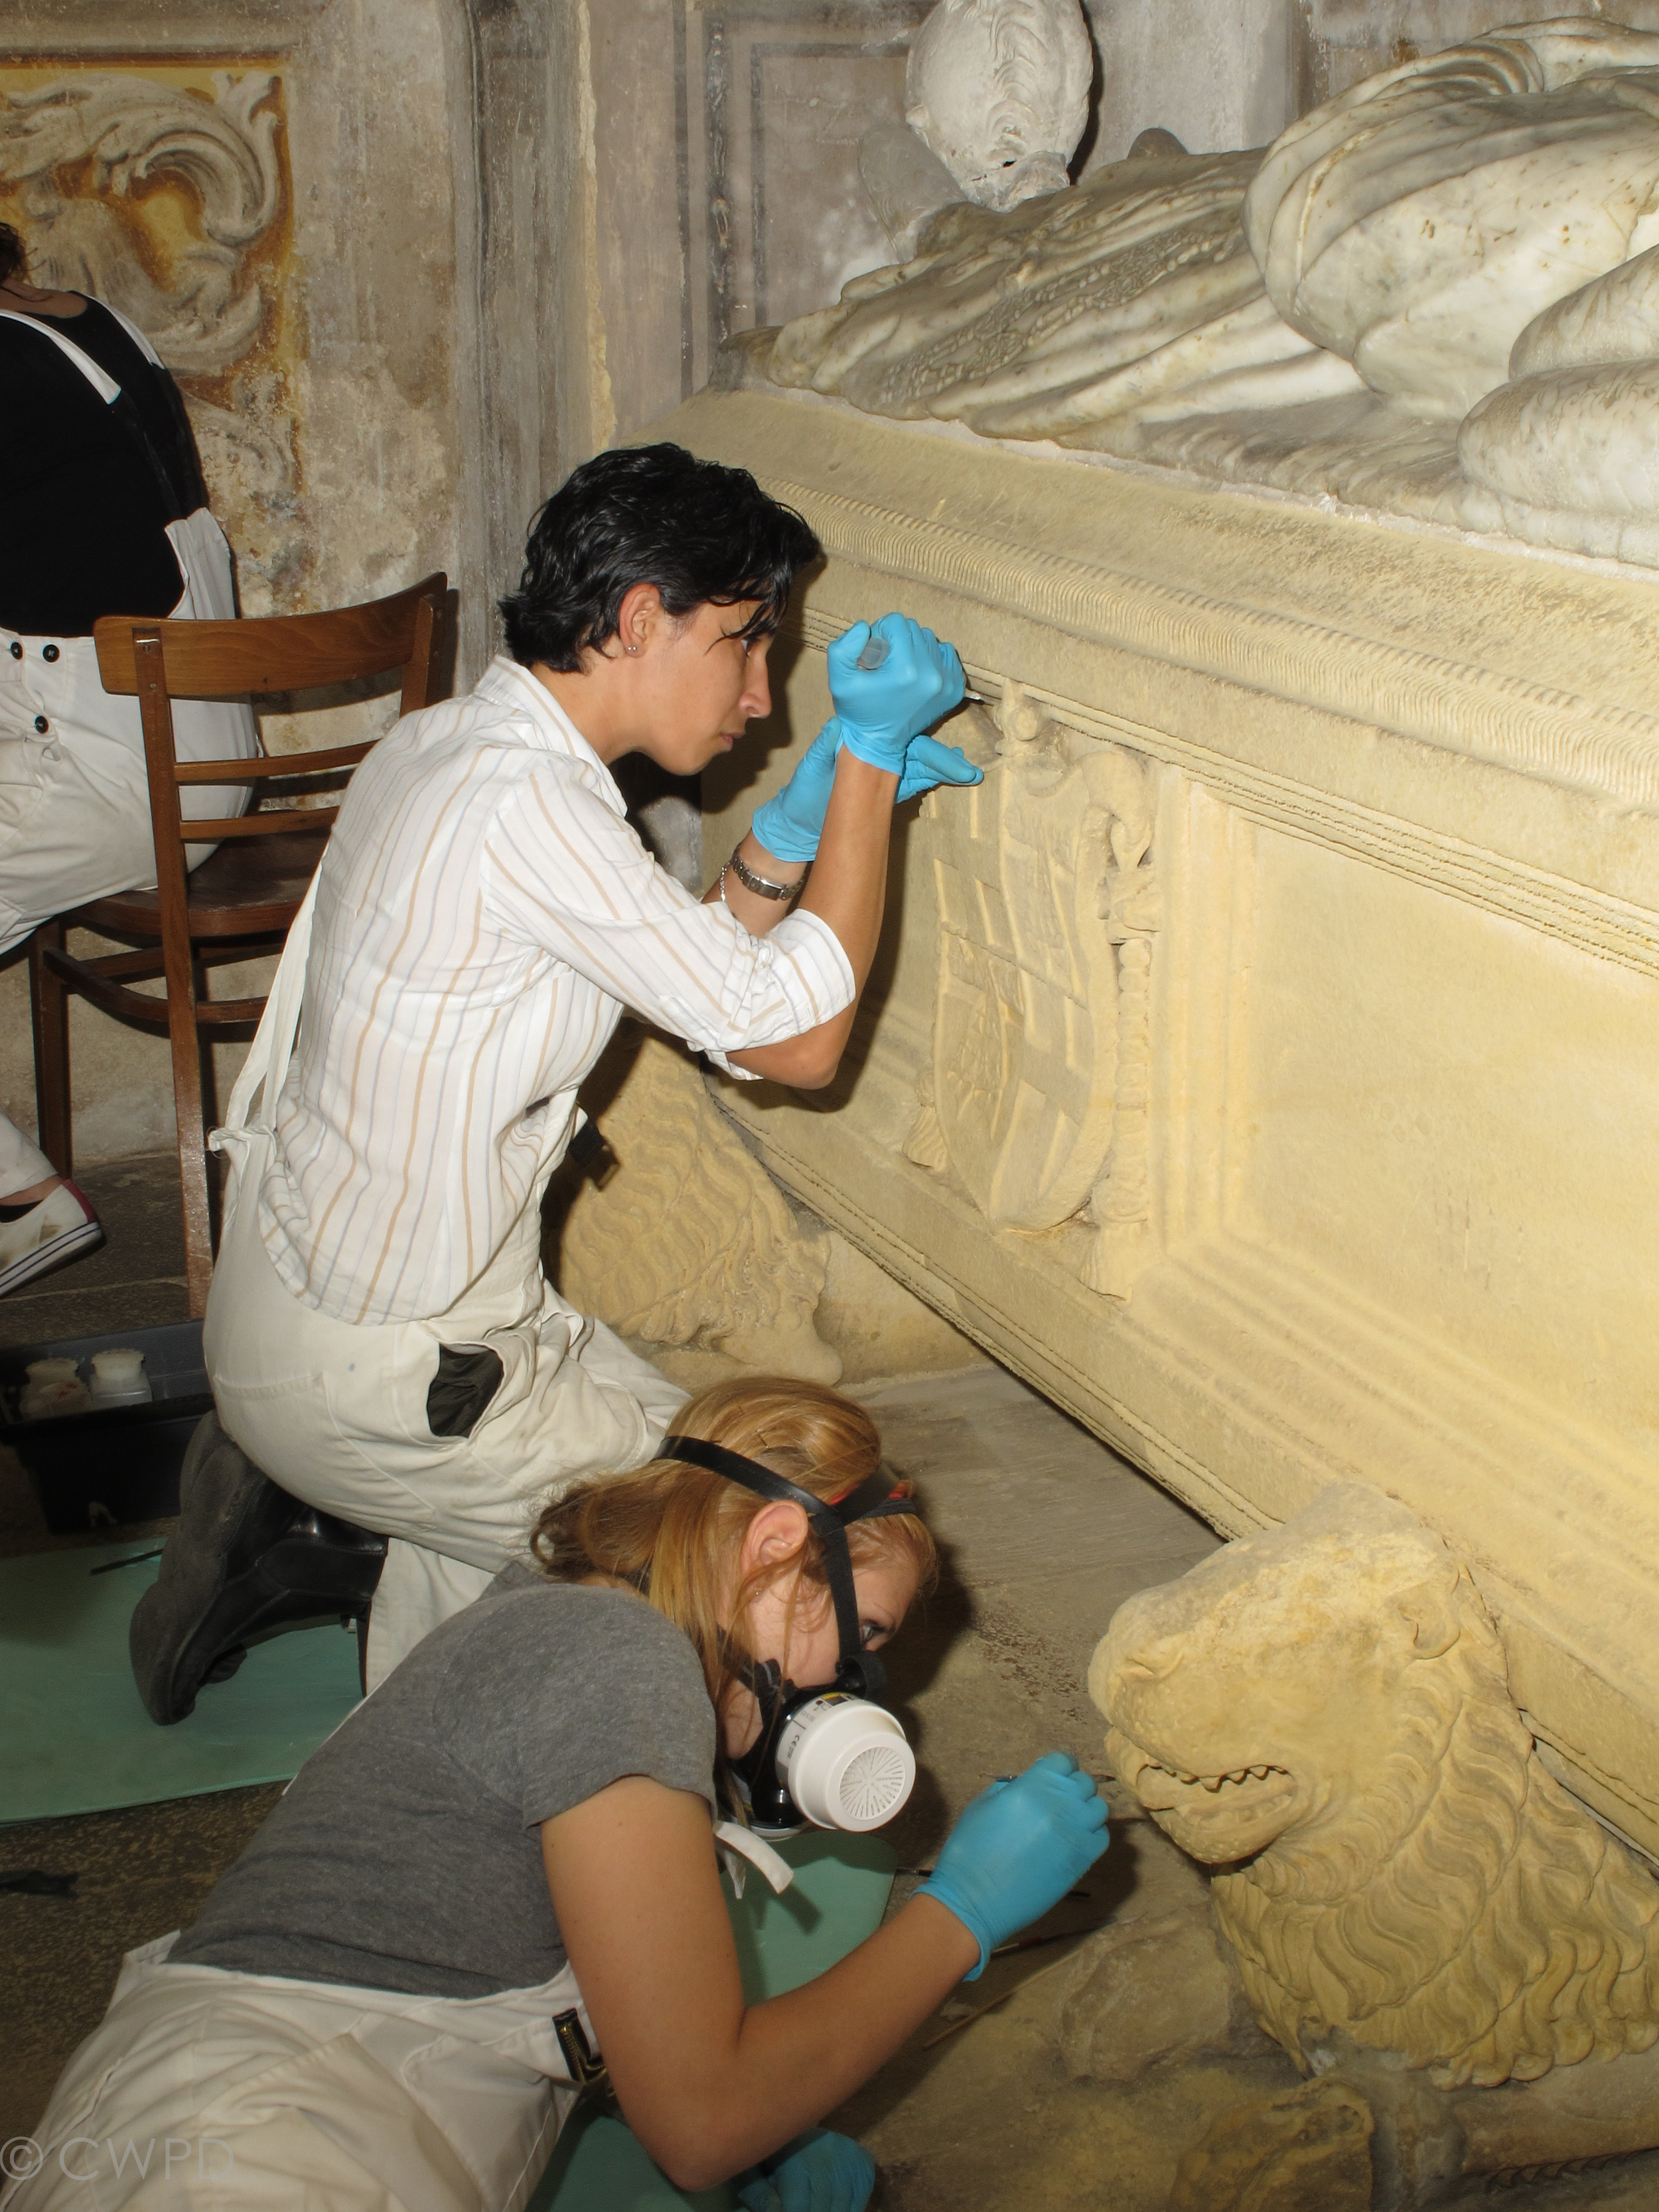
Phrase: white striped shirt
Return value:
(485, 913)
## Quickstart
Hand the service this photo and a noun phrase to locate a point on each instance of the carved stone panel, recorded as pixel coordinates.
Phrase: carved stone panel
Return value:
(1036, 1091)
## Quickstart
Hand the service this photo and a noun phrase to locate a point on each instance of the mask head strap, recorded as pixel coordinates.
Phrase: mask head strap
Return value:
(871, 1499)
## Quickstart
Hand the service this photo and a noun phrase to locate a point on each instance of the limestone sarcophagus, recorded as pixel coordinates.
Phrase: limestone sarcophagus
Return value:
(1265, 1058)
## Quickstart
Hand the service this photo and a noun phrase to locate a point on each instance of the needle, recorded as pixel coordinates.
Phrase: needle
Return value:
(980, 2011)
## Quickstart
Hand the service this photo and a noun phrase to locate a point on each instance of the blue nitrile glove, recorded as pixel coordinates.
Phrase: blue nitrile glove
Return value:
(927, 761)
(882, 708)
(1018, 1849)
(791, 822)
(818, 2172)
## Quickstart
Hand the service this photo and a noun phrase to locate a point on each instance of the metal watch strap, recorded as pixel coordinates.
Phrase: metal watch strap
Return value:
(759, 885)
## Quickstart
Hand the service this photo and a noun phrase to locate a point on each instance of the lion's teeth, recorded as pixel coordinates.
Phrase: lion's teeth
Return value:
(1214, 1782)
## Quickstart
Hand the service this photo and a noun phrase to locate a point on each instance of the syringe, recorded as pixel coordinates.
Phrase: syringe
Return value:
(877, 650)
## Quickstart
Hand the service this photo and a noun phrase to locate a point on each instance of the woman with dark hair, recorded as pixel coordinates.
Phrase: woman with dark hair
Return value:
(102, 510)
(381, 1341)
(497, 1879)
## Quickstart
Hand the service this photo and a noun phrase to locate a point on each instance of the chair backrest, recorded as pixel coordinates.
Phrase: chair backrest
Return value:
(278, 652)
(159, 661)
(228, 660)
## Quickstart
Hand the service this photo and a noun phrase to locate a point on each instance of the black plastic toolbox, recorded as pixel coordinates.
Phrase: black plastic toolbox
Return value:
(118, 1463)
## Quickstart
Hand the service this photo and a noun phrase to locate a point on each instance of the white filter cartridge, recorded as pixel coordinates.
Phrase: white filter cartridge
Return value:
(846, 1763)
(118, 1378)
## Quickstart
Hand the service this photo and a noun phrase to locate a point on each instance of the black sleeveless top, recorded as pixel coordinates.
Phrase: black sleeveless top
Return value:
(87, 487)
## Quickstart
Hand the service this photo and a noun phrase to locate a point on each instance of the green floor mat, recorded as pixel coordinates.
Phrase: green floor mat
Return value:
(74, 1737)
(837, 1897)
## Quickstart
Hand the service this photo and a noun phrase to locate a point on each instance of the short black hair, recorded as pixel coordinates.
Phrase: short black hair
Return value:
(14, 255)
(702, 533)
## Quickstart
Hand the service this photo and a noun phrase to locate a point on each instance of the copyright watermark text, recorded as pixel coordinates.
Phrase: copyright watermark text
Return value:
(85, 2158)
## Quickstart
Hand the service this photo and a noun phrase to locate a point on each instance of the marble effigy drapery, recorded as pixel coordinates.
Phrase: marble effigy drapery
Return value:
(1434, 296)
(1262, 1059)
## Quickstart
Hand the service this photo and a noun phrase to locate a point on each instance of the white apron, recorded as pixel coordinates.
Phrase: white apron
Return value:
(336, 1413)
(75, 823)
(205, 2090)
(250, 2093)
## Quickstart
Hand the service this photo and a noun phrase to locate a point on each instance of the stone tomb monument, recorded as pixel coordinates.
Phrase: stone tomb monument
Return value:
(1264, 1058)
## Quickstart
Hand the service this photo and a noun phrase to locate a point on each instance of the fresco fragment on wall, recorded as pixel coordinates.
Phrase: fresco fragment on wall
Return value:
(165, 189)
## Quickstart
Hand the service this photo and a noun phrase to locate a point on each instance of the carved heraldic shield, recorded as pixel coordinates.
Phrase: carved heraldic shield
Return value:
(1029, 868)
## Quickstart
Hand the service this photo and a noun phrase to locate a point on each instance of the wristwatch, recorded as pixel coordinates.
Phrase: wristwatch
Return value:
(760, 885)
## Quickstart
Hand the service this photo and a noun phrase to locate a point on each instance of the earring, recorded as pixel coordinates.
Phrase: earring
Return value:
(632, 648)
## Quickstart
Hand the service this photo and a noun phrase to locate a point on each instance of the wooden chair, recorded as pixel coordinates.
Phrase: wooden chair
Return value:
(239, 902)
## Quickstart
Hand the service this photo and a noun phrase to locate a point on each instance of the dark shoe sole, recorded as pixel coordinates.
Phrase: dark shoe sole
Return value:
(246, 1558)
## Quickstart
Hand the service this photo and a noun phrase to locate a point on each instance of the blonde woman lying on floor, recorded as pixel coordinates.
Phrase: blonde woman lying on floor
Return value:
(504, 1862)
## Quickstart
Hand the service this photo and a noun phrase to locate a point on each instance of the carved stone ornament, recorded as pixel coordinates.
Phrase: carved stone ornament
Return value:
(1430, 297)
(998, 91)
(133, 130)
(1036, 1091)
(1322, 1713)
(691, 1243)
(170, 203)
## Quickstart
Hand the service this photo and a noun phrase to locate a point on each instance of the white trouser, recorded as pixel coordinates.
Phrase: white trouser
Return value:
(337, 1413)
(206, 2090)
(74, 820)
(21, 1163)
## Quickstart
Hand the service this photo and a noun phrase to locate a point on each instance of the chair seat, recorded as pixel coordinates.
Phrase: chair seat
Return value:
(249, 888)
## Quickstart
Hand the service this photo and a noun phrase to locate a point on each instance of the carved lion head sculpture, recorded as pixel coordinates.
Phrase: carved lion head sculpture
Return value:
(1322, 1712)
(999, 90)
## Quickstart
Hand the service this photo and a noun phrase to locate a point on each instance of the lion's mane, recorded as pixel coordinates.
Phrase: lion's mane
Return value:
(1466, 1914)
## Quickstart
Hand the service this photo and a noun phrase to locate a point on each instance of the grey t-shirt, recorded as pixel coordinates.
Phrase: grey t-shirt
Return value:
(405, 1855)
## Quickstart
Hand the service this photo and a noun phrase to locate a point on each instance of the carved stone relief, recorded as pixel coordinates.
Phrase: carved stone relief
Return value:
(1322, 1714)
(999, 90)
(1324, 1709)
(166, 193)
(1406, 941)
(690, 1245)
(1035, 1095)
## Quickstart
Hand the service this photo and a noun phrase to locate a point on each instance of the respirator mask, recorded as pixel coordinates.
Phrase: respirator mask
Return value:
(829, 1753)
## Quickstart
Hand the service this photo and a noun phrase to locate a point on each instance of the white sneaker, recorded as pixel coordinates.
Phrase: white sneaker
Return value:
(61, 1227)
